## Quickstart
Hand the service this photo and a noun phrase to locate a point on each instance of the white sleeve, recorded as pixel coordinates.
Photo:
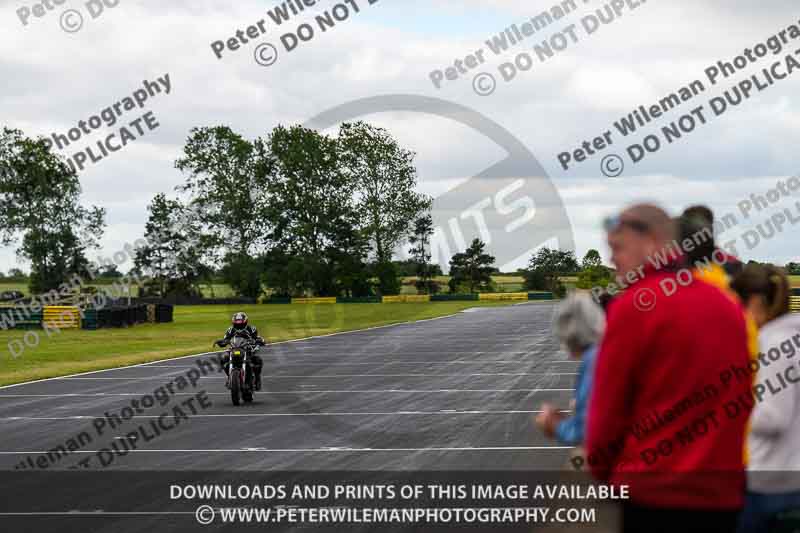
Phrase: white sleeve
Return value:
(775, 412)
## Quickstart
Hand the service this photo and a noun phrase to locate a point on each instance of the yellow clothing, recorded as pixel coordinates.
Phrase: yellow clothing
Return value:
(714, 274)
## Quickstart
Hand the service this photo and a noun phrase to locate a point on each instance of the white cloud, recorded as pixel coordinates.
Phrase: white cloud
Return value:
(52, 80)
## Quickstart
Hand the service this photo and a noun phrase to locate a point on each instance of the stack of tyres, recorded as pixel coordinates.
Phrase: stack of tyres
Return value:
(540, 296)
(163, 313)
(278, 300)
(20, 318)
(454, 297)
(90, 320)
(104, 318)
(118, 317)
(130, 316)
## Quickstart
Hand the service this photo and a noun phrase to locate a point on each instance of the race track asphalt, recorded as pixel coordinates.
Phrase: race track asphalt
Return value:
(457, 393)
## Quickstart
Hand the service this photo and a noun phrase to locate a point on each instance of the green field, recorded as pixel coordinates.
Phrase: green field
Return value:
(194, 330)
(508, 283)
(795, 281)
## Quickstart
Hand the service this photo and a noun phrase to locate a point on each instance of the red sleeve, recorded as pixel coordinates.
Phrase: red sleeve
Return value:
(610, 405)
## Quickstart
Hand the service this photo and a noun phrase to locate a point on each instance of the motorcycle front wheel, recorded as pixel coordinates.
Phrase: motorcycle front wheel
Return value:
(236, 385)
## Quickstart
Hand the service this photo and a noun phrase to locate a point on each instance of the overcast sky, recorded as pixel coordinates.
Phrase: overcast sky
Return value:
(53, 79)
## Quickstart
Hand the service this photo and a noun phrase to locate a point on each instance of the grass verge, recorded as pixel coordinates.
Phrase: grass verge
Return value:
(194, 330)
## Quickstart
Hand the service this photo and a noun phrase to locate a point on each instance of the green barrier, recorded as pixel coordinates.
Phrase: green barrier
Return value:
(358, 300)
(795, 292)
(89, 319)
(453, 297)
(17, 318)
(540, 296)
(278, 300)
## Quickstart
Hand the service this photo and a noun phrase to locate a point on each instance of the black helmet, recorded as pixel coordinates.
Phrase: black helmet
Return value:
(239, 321)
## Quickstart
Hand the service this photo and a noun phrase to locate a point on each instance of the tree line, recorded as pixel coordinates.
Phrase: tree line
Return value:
(297, 212)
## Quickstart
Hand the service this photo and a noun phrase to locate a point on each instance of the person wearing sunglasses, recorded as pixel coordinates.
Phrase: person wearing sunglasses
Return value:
(656, 373)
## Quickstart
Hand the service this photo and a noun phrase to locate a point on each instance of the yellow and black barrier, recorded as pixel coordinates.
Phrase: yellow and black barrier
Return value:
(61, 317)
(406, 298)
(503, 296)
(795, 304)
(422, 298)
(317, 300)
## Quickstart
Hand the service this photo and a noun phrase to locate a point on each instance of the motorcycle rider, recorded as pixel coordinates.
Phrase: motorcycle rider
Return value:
(240, 328)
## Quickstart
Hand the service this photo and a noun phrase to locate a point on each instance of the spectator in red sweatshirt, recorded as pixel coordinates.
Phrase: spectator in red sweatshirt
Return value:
(657, 419)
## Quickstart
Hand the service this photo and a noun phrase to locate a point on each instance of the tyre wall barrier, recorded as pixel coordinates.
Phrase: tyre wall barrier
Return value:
(61, 317)
(795, 304)
(20, 318)
(540, 296)
(89, 319)
(454, 297)
(123, 317)
(501, 296)
(358, 300)
(278, 300)
(164, 313)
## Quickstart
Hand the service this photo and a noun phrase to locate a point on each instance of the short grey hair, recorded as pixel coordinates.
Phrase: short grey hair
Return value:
(579, 322)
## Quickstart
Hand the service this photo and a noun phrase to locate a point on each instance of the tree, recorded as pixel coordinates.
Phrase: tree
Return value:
(171, 256)
(545, 267)
(420, 252)
(793, 269)
(593, 273)
(594, 276)
(109, 272)
(312, 205)
(472, 268)
(385, 180)
(228, 183)
(243, 273)
(40, 203)
(592, 259)
(16, 273)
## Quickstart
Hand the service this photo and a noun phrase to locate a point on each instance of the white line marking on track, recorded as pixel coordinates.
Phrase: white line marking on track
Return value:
(318, 450)
(373, 391)
(247, 415)
(346, 376)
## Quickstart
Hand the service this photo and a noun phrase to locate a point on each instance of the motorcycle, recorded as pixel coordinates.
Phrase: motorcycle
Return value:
(241, 378)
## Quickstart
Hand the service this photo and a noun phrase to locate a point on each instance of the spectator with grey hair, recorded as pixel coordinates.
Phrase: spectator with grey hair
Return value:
(579, 325)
